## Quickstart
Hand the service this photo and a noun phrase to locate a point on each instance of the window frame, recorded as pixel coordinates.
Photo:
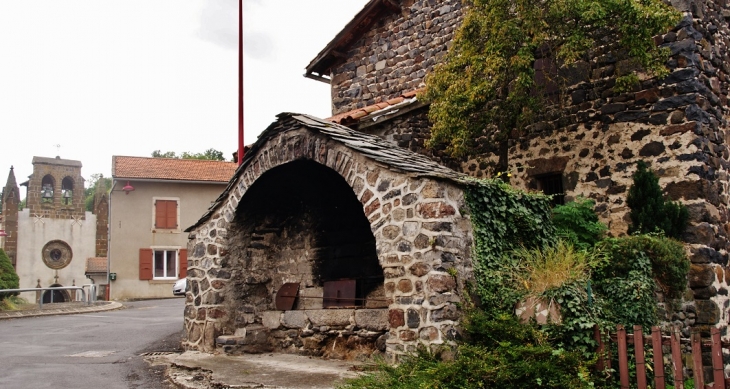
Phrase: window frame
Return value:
(154, 214)
(545, 183)
(165, 249)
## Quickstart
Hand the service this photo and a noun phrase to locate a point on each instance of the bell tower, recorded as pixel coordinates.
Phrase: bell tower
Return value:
(56, 189)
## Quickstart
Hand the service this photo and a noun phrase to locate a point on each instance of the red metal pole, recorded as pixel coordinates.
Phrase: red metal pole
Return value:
(240, 81)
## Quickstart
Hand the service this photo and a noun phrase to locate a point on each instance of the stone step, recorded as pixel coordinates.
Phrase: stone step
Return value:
(249, 340)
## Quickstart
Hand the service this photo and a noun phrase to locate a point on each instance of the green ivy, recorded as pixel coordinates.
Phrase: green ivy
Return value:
(504, 218)
(486, 86)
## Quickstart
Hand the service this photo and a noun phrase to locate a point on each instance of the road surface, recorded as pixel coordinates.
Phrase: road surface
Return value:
(93, 350)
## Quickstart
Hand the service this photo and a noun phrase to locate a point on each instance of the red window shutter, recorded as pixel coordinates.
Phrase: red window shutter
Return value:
(183, 258)
(166, 214)
(171, 214)
(145, 264)
(160, 214)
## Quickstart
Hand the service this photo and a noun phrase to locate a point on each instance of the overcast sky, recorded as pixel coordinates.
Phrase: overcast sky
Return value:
(127, 77)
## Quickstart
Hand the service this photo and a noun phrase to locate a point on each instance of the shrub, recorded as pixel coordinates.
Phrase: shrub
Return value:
(631, 270)
(649, 212)
(578, 224)
(499, 353)
(8, 278)
(540, 270)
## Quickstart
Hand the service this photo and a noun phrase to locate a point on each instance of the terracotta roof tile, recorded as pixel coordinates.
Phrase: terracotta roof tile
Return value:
(172, 169)
(96, 265)
(349, 116)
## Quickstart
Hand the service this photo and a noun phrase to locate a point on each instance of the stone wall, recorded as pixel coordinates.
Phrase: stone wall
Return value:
(677, 124)
(396, 54)
(422, 240)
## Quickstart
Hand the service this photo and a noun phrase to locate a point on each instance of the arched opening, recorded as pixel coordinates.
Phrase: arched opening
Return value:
(302, 223)
(47, 187)
(55, 296)
(67, 188)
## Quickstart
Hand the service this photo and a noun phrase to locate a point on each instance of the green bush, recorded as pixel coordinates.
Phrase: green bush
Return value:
(649, 211)
(631, 270)
(499, 353)
(8, 278)
(576, 223)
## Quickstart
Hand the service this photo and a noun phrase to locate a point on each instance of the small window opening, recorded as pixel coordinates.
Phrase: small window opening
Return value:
(552, 185)
(47, 189)
(67, 187)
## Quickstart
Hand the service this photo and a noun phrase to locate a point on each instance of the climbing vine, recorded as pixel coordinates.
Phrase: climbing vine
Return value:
(504, 218)
(486, 86)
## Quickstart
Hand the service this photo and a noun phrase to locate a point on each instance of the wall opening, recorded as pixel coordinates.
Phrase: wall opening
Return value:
(306, 225)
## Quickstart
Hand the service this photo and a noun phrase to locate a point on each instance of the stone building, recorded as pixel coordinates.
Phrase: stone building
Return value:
(678, 124)
(329, 242)
(376, 65)
(51, 239)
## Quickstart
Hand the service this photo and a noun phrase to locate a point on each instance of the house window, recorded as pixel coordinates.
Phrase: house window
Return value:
(162, 263)
(166, 214)
(552, 185)
(165, 263)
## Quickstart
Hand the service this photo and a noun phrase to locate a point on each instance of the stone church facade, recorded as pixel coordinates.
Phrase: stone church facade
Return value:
(51, 240)
(376, 66)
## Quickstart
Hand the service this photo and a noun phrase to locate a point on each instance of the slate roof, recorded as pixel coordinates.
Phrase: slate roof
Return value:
(171, 169)
(395, 158)
(353, 116)
(96, 265)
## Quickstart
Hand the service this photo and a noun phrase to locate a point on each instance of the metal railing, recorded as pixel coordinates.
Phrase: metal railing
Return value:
(88, 297)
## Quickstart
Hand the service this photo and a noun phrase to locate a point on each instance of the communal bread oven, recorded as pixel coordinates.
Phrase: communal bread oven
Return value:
(332, 243)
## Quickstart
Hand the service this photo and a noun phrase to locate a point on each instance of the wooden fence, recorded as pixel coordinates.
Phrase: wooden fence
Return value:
(655, 341)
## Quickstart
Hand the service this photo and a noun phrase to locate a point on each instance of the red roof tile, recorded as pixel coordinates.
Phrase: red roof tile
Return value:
(172, 169)
(349, 116)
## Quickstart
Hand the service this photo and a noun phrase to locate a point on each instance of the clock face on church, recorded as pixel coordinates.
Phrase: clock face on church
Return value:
(57, 254)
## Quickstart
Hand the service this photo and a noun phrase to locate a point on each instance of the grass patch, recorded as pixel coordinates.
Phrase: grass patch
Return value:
(12, 303)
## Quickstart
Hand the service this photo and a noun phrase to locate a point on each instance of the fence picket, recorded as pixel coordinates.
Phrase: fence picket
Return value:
(677, 359)
(623, 357)
(639, 354)
(718, 371)
(656, 344)
(698, 375)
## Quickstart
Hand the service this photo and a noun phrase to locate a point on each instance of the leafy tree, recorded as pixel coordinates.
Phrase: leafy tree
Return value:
(486, 86)
(168, 154)
(8, 278)
(90, 190)
(210, 154)
(649, 211)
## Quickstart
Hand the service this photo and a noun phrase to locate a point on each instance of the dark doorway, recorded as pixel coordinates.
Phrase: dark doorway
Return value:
(55, 296)
(306, 225)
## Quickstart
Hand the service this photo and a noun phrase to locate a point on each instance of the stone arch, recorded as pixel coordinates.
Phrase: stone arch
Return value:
(421, 237)
(313, 229)
(55, 296)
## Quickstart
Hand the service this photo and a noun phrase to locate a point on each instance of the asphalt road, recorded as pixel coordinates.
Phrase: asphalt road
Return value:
(93, 350)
